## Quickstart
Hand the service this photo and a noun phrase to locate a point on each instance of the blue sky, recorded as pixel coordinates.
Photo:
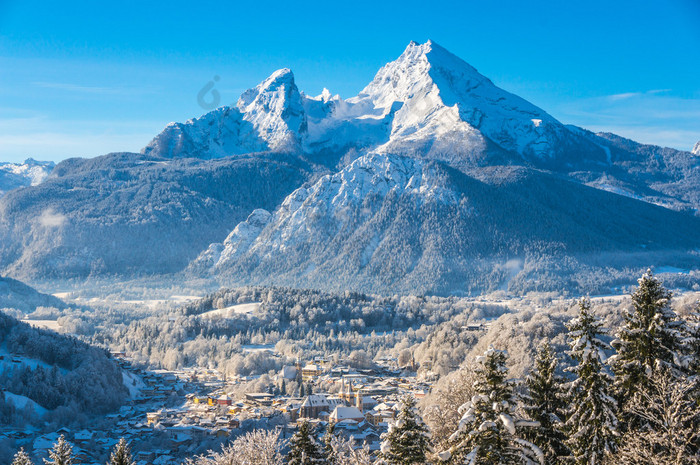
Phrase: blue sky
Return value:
(87, 78)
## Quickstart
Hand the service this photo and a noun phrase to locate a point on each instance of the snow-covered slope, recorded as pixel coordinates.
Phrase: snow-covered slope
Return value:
(387, 223)
(696, 149)
(29, 173)
(220, 255)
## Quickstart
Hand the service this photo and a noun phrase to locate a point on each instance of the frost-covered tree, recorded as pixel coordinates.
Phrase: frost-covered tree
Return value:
(490, 431)
(22, 458)
(408, 439)
(439, 406)
(61, 453)
(345, 453)
(545, 403)
(592, 424)
(691, 342)
(672, 417)
(121, 455)
(258, 447)
(303, 447)
(650, 337)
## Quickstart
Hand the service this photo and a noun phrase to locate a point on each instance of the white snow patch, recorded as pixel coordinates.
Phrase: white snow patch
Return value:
(228, 312)
(21, 402)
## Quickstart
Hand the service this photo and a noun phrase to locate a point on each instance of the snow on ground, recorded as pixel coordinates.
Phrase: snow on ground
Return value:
(44, 324)
(133, 383)
(21, 402)
(671, 269)
(10, 360)
(258, 347)
(228, 312)
(62, 295)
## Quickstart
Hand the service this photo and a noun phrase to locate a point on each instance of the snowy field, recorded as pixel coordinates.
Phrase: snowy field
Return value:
(228, 312)
(44, 324)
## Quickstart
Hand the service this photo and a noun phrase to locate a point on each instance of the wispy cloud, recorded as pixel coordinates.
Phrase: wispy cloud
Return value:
(652, 117)
(97, 90)
(631, 95)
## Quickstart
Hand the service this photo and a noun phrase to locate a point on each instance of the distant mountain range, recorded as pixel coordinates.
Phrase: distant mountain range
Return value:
(431, 180)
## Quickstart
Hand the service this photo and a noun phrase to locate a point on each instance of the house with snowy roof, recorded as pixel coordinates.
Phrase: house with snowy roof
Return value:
(342, 413)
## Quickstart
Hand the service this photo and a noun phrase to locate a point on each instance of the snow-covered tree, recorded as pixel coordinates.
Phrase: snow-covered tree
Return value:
(408, 439)
(650, 337)
(121, 455)
(345, 453)
(22, 458)
(545, 403)
(592, 424)
(439, 410)
(258, 447)
(673, 419)
(61, 453)
(691, 342)
(303, 447)
(490, 431)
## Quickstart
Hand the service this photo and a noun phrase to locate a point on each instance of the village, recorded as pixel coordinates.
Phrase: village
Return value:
(176, 414)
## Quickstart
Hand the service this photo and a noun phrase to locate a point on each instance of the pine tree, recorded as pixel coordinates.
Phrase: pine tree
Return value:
(121, 455)
(21, 458)
(301, 390)
(408, 438)
(545, 404)
(303, 447)
(490, 431)
(61, 454)
(329, 453)
(592, 423)
(650, 338)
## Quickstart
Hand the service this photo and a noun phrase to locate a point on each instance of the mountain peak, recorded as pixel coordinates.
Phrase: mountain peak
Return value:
(444, 105)
(275, 109)
(696, 149)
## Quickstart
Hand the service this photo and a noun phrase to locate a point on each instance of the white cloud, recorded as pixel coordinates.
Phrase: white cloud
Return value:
(49, 218)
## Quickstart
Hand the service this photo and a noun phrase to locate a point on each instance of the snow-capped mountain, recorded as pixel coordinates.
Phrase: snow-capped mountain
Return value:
(29, 173)
(696, 149)
(427, 103)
